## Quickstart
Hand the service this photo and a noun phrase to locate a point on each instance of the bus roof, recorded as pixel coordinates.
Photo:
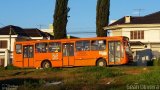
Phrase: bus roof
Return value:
(66, 40)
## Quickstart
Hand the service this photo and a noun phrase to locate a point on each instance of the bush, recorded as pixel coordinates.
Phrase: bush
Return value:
(11, 67)
(150, 63)
(156, 62)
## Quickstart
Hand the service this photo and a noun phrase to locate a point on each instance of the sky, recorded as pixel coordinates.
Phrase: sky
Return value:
(36, 13)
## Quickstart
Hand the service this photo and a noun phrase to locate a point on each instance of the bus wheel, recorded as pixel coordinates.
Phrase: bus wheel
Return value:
(101, 63)
(46, 64)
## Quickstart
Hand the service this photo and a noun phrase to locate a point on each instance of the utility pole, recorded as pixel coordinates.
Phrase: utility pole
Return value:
(139, 11)
(10, 32)
(40, 26)
(10, 38)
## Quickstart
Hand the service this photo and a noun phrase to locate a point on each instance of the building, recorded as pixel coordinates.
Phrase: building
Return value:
(10, 34)
(49, 30)
(143, 31)
(35, 33)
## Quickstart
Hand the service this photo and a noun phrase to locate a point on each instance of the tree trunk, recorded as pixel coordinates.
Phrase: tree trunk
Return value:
(60, 19)
(102, 17)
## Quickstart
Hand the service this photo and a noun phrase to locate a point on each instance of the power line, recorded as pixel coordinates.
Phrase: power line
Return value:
(40, 26)
(139, 11)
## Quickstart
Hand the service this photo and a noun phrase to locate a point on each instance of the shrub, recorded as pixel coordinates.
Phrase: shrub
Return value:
(11, 67)
(156, 62)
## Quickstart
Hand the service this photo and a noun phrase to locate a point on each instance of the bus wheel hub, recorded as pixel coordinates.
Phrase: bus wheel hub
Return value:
(101, 64)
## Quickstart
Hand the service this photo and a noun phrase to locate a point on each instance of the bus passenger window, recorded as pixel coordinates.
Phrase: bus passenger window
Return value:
(41, 47)
(54, 47)
(18, 49)
(98, 45)
(83, 45)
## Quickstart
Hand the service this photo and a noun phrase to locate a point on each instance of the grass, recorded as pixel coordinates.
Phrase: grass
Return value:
(2, 68)
(53, 69)
(84, 78)
(151, 77)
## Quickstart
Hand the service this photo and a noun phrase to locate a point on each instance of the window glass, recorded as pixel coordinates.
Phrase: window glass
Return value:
(98, 45)
(18, 49)
(25, 52)
(131, 35)
(41, 47)
(28, 52)
(31, 53)
(68, 49)
(54, 47)
(142, 34)
(137, 34)
(83, 45)
(3, 44)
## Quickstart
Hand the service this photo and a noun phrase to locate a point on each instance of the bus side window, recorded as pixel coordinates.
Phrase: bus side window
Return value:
(54, 47)
(98, 45)
(18, 48)
(41, 47)
(83, 45)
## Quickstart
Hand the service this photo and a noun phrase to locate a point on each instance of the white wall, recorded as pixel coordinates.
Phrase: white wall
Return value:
(6, 37)
(150, 34)
(36, 37)
(47, 30)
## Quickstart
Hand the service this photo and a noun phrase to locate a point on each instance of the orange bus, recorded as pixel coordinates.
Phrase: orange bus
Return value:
(98, 51)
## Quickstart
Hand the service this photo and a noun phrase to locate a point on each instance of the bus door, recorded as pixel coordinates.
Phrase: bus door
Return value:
(114, 52)
(28, 56)
(68, 54)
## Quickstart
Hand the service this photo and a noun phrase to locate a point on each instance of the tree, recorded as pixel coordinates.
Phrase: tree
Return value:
(102, 17)
(60, 19)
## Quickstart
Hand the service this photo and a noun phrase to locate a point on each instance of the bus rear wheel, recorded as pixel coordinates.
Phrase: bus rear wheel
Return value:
(101, 63)
(46, 64)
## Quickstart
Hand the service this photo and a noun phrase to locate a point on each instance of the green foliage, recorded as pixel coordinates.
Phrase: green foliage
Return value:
(11, 67)
(150, 63)
(60, 19)
(156, 62)
(102, 17)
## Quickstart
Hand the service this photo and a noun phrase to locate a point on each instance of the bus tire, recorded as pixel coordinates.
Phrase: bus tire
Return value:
(46, 64)
(101, 62)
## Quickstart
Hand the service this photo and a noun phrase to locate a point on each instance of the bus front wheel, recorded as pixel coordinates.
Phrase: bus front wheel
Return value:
(101, 63)
(46, 64)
